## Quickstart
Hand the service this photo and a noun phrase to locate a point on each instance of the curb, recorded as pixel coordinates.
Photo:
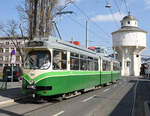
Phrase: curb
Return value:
(20, 98)
(146, 107)
(12, 100)
(7, 102)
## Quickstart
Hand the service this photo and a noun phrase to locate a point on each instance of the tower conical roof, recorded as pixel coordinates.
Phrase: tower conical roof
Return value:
(129, 17)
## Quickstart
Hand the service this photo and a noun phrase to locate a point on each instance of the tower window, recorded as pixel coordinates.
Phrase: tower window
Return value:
(121, 24)
(128, 22)
(128, 63)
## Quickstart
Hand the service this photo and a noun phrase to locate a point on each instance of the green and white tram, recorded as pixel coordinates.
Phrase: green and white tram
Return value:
(55, 68)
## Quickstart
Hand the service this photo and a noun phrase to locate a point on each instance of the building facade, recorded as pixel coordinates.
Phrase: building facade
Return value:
(6, 47)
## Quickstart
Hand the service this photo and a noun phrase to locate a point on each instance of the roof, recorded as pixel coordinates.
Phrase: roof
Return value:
(8, 38)
(129, 17)
(129, 28)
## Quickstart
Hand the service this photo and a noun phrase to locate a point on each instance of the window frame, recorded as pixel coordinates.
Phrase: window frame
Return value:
(61, 60)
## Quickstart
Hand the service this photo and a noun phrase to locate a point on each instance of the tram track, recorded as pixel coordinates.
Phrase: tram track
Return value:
(113, 93)
(134, 98)
(54, 103)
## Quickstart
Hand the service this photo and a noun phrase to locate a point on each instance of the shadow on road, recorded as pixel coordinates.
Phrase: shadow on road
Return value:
(9, 113)
(11, 93)
(124, 108)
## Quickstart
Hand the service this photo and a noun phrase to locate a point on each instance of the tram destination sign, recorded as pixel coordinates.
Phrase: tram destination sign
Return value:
(35, 43)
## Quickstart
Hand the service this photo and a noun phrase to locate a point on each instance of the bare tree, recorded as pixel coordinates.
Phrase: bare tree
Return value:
(39, 15)
(36, 17)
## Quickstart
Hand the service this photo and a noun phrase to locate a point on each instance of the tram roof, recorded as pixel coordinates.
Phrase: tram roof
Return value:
(53, 42)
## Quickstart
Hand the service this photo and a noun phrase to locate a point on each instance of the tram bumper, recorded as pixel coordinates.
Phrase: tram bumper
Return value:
(31, 88)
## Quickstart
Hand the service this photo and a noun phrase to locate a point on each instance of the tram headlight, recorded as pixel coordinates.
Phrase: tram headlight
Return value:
(31, 82)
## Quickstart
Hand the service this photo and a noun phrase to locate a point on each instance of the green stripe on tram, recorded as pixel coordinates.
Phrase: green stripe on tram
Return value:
(66, 73)
(26, 76)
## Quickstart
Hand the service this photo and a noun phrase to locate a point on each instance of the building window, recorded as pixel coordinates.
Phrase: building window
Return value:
(6, 58)
(7, 43)
(1, 65)
(128, 22)
(18, 43)
(7, 50)
(17, 58)
(1, 58)
(1, 50)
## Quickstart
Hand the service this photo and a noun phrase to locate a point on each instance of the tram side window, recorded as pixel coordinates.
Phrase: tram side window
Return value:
(59, 60)
(116, 66)
(83, 62)
(90, 63)
(106, 65)
(96, 64)
(74, 61)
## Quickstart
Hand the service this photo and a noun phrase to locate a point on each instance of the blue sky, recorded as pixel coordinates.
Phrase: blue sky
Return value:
(101, 23)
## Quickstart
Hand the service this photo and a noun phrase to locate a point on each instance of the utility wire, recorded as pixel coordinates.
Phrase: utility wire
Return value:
(121, 5)
(114, 18)
(126, 6)
(117, 6)
(81, 25)
(110, 10)
(100, 28)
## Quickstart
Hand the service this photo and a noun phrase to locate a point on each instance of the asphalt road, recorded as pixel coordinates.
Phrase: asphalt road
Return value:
(112, 100)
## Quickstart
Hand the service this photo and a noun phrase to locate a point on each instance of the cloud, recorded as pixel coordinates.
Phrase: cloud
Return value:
(147, 2)
(108, 17)
(63, 2)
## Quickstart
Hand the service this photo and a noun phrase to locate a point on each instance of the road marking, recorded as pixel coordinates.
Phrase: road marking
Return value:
(85, 100)
(59, 113)
(106, 90)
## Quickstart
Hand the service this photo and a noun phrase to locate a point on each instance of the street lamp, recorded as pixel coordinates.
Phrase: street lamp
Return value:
(60, 13)
(108, 5)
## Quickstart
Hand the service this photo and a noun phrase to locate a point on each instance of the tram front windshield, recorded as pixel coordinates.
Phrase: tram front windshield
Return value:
(37, 60)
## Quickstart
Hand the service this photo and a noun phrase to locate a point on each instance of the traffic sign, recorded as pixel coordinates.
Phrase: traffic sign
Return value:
(13, 52)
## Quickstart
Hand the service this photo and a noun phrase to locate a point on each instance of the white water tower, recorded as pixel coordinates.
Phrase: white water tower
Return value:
(129, 41)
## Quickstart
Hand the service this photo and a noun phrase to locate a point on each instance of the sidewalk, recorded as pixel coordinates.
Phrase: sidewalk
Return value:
(12, 93)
